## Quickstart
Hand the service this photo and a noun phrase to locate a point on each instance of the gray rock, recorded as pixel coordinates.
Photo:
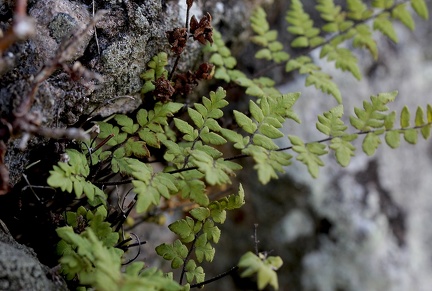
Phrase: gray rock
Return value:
(21, 270)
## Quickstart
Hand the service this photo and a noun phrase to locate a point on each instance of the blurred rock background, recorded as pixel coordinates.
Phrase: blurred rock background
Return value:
(363, 227)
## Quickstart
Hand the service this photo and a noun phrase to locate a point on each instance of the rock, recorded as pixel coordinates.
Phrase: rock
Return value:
(21, 270)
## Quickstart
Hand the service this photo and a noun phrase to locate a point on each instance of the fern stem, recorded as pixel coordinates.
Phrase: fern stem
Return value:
(178, 57)
(220, 276)
(187, 257)
(241, 156)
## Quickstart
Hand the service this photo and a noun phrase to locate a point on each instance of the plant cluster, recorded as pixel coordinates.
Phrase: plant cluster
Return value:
(171, 152)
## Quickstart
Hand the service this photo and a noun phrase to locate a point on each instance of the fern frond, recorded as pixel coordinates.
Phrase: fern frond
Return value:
(403, 15)
(371, 143)
(268, 163)
(309, 154)
(157, 70)
(420, 8)
(216, 171)
(372, 115)
(383, 24)
(343, 148)
(320, 80)
(273, 49)
(71, 177)
(330, 122)
(323, 82)
(302, 26)
(199, 229)
(222, 59)
(264, 267)
(344, 59)
(334, 16)
(150, 186)
(192, 187)
(363, 39)
(383, 4)
(358, 10)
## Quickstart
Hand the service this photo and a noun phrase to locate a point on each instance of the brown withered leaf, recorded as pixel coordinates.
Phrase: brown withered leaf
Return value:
(177, 38)
(189, 3)
(164, 90)
(186, 82)
(204, 71)
(202, 31)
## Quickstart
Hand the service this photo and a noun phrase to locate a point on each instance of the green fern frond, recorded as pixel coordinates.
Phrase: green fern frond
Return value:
(330, 122)
(344, 149)
(344, 59)
(383, 24)
(358, 10)
(323, 82)
(222, 59)
(268, 163)
(71, 177)
(318, 79)
(420, 8)
(199, 229)
(302, 26)
(363, 39)
(383, 4)
(371, 143)
(157, 70)
(175, 252)
(264, 267)
(309, 154)
(99, 266)
(372, 115)
(403, 15)
(273, 49)
(216, 171)
(334, 16)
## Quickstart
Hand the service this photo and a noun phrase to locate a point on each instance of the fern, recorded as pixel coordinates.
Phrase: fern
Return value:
(336, 20)
(302, 26)
(402, 14)
(309, 154)
(222, 59)
(200, 230)
(71, 177)
(273, 49)
(156, 71)
(264, 267)
(420, 8)
(372, 115)
(187, 141)
(98, 265)
(344, 59)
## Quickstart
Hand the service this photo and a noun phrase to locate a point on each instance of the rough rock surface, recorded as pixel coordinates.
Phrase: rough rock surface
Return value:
(21, 270)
